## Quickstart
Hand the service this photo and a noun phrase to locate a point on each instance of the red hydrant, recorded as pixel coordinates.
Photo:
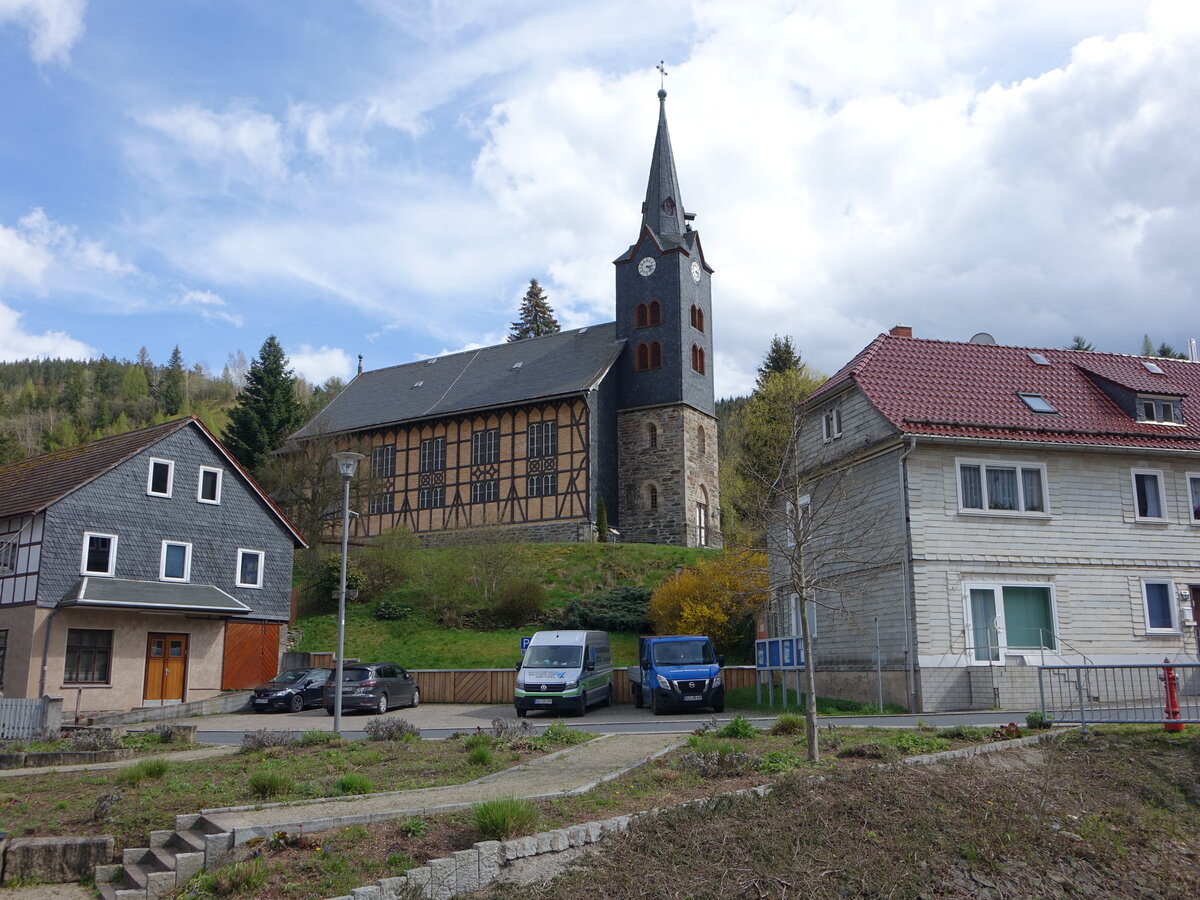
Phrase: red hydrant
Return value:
(1170, 685)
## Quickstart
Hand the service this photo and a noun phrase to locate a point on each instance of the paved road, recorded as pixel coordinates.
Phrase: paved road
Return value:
(438, 720)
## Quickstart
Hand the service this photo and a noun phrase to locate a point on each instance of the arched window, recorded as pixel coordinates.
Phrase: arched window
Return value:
(642, 361)
(655, 312)
(697, 318)
(698, 359)
(702, 518)
(655, 355)
(641, 316)
(700, 440)
(651, 497)
(652, 435)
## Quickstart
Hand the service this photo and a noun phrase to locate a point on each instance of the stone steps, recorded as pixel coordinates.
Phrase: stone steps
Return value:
(147, 873)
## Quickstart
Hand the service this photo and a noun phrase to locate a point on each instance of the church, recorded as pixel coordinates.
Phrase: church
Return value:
(534, 435)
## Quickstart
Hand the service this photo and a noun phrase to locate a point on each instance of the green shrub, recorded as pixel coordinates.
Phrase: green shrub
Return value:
(619, 609)
(387, 562)
(963, 733)
(142, 770)
(909, 743)
(478, 739)
(391, 729)
(870, 750)
(392, 609)
(480, 756)
(315, 738)
(559, 734)
(328, 582)
(520, 602)
(737, 727)
(265, 784)
(1038, 719)
(503, 818)
(237, 878)
(788, 723)
(353, 783)
(776, 762)
(413, 827)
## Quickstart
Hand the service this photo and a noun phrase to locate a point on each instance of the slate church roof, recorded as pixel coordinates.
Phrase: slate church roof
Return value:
(553, 365)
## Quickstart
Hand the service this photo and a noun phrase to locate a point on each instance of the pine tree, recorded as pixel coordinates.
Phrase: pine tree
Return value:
(171, 386)
(781, 357)
(1079, 342)
(601, 522)
(536, 315)
(267, 410)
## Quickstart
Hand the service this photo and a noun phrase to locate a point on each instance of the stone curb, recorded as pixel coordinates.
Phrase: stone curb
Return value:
(469, 870)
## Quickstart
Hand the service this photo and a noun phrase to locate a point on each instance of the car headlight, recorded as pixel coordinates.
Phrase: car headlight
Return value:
(663, 683)
(520, 680)
(570, 685)
(717, 680)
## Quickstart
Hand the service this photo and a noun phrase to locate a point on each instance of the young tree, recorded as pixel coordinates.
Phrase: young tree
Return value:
(601, 522)
(267, 410)
(781, 357)
(715, 598)
(536, 316)
(171, 387)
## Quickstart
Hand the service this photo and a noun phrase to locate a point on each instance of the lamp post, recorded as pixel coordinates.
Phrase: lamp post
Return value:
(347, 462)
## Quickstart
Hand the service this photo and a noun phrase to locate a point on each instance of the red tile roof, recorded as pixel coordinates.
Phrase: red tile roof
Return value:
(947, 388)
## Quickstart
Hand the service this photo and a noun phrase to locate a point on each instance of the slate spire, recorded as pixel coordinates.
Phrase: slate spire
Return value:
(663, 209)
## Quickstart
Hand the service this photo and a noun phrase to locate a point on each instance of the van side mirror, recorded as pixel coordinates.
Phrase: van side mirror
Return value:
(646, 664)
(590, 665)
(518, 665)
(721, 660)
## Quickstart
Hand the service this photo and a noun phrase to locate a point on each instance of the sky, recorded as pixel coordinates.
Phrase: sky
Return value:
(383, 177)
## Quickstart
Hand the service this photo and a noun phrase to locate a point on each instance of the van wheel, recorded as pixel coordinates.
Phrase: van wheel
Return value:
(719, 707)
(521, 712)
(638, 700)
(582, 711)
(608, 696)
(654, 705)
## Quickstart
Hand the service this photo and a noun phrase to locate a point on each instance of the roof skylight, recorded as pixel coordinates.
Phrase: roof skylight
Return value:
(517, 365)
(417, 384)
(1037, 403)
(1153, 368)
(1039, 359)
(431, 361)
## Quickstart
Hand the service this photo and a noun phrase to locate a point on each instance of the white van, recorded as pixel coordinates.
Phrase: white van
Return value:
(565, 670)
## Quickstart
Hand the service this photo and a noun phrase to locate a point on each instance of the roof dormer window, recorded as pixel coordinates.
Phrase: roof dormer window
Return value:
(1160, 410)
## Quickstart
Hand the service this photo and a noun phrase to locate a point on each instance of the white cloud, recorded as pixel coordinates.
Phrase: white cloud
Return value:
(21, 261)
(16, 343)
(54, 26)
(318, 364)
(210, 306)
(248, 141)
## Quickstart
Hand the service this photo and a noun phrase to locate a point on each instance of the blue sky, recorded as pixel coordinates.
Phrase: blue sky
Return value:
(384, 178)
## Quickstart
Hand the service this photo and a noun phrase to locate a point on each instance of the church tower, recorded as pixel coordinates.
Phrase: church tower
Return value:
(666, 419)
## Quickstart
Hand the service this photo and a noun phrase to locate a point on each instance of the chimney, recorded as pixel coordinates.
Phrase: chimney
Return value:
(360, 361)
(901, 331)
(1192, 350)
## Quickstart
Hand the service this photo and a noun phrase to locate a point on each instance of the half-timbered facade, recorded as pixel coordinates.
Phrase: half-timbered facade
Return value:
(532, 435)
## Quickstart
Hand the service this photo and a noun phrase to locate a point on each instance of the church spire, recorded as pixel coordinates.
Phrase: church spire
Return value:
(663, 209)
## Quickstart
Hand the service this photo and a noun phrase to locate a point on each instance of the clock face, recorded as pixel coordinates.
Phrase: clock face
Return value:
(695, 271)
(646, 266)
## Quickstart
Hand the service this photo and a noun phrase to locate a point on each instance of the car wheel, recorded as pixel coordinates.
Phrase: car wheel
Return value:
(416, 701)
(521, 713)
(329, 711)
(383, 705)
(296, 703)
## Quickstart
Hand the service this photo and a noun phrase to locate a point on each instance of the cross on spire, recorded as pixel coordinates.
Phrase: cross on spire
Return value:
(662, 74)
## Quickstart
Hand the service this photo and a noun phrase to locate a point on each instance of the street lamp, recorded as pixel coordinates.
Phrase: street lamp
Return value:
(347, 462)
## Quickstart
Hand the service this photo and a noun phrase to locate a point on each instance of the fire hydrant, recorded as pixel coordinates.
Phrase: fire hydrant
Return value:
(1171, 686)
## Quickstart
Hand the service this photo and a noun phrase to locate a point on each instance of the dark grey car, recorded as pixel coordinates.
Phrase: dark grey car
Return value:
(373, 686)
(293, 690)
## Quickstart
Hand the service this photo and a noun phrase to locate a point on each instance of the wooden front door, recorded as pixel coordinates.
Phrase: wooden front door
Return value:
(166, 668)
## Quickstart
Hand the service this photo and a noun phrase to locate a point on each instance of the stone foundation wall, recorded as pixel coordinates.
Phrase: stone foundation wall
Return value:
(577, 532)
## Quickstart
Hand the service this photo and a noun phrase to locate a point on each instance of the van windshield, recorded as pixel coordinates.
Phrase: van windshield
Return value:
(684, 653)
(553, 656)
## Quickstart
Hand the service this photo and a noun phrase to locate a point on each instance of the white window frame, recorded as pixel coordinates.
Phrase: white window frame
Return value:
(1159, 404)
(1172, 605)
(237, 575)
(1162, 494)
(200, 498)
(1193, 499)
(8, 559)
(1002, 647)
(170, 464)
(983, 465)
(831, 424)
(187, 562)
(112, 554)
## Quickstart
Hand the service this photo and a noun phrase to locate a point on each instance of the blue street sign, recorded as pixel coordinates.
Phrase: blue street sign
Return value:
(525, 643)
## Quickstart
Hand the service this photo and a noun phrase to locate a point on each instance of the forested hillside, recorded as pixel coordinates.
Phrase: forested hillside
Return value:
(49, 404)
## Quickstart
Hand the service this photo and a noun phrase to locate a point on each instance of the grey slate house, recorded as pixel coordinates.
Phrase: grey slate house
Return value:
(142, 569)
(532, 435)
(1020, 506)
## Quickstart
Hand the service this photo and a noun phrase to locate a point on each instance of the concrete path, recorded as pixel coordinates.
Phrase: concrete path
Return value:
(571, 770)
(172, 756)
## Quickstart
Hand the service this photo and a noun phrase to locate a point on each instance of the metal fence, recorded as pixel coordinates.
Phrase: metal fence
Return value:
(1166, 693)
(22, 720)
